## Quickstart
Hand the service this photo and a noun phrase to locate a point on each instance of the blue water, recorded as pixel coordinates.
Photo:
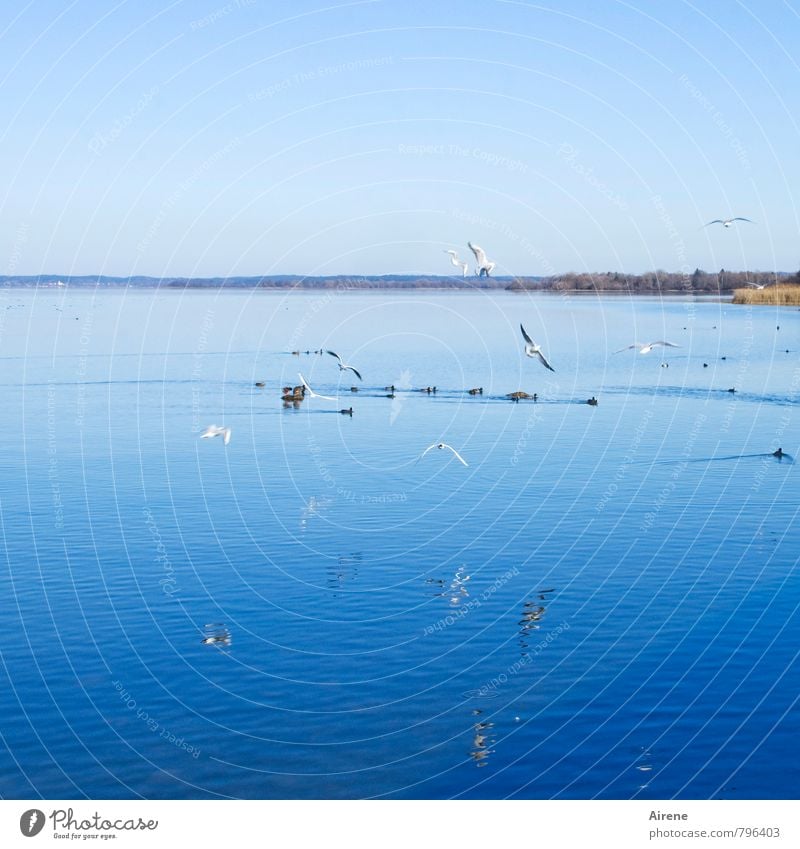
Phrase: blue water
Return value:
(602, 604)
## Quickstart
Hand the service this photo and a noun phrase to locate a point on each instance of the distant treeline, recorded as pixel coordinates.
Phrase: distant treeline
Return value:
(285, 281)
(652, 282)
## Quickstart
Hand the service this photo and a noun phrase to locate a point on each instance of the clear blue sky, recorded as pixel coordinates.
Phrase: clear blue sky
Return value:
(252, 137)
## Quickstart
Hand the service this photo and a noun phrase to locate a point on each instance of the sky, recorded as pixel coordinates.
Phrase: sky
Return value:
(250, 137)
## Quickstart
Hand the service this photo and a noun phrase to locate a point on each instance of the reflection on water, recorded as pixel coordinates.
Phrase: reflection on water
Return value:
(532, 613)
(644, 766)
(455, 589)
(216, 634)
(345, 570)
(779, 456)
(314, 507)
(482, 740)
(458, 588)
(555, 561)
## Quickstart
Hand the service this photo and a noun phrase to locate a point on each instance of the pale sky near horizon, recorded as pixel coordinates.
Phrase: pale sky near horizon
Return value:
(250, 137)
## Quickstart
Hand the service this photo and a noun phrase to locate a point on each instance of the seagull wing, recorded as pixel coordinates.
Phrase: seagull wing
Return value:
(480, 255)
(458, 456)
(429, 448)
(334, 354)
(543, 361)
(665, 344)
(226, 438)
(350, 368)
(715, 221)
(525, 336)
(628, 348)
(311, 391)
(741, 219)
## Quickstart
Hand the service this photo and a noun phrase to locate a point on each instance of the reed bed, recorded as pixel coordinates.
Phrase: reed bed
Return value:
(780, 294)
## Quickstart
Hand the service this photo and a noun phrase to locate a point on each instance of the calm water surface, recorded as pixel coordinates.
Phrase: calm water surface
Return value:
(603, 604)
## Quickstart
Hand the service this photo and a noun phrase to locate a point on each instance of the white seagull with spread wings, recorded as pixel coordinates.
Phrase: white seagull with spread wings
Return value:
(440, 446)
(645, 349)
(457, 262)
(312, 393)
(343, 365)
(534, 350)
(726, 222)
(213, 430)
(484, 267)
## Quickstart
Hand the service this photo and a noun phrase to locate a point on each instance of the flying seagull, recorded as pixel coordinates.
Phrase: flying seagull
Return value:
(213, 430)
(311, 391)
(726, 222)
(645, 349)
(484, 267)
(442, 445)
(343, 365)
(534, 350)
(454, 260)
(754, 285)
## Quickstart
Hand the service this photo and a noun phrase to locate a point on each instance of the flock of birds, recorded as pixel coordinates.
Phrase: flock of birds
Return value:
(483, 268)
(296, 394)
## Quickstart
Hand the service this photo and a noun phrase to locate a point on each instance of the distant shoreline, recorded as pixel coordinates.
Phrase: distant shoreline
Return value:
(722, 283)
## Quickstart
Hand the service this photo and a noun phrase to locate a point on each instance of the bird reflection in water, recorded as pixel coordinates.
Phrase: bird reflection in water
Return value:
(643, 766)
(482, 740)
(456, 590)
(313, 507)
(532, 613)
(345, 570)
(216, 634)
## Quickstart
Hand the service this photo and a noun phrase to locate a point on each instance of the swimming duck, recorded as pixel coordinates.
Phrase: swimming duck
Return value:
(478, 391)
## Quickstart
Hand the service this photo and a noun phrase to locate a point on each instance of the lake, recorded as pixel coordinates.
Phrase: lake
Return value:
(602, 604)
